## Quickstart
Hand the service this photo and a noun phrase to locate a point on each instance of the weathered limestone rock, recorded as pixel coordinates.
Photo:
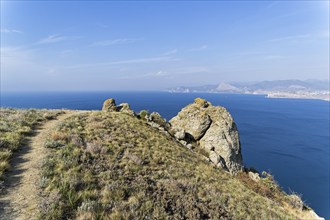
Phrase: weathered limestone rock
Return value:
(109, 105)
(193, 119)
(183, 142)
(201, 102)
(254, 176)
(157, 121)
(214, 129)
(214, 157)
(179, 134)
(189, 146)
(222, 137)
(125, 108)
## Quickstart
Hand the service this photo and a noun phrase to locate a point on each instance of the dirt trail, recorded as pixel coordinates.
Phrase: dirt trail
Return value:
(20, 197)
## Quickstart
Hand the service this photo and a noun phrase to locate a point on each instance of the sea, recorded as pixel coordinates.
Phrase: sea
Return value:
(287, 137)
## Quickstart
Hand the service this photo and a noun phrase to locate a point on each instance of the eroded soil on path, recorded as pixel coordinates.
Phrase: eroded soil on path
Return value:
(19, 198)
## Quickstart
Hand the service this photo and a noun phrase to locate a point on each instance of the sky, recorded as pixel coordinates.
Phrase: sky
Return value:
(144, 45)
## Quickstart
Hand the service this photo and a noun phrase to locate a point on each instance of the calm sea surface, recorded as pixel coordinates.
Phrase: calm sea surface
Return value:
(288, 137)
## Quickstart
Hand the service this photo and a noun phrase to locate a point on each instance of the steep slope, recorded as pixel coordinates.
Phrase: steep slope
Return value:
(112, 165)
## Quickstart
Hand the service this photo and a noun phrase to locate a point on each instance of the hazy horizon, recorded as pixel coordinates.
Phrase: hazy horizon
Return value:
(112, 46)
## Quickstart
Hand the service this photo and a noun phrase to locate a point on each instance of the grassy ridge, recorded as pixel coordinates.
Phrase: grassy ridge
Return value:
(108, 165)
(15, 126)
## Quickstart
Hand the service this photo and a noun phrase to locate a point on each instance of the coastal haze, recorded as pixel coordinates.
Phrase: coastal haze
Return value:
(308, 89)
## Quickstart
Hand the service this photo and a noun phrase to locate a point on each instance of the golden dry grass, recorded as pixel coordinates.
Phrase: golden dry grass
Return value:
(15, 126)
(109, 165)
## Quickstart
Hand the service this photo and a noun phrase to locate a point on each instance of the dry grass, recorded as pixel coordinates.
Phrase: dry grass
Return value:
(15, 126)
(115, 166)
(266, 187)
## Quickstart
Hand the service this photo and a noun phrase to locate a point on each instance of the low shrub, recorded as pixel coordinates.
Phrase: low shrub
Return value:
(142, 114)
(295, 201)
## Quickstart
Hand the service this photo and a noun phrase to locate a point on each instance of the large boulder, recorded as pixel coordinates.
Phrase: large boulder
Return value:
(222, 137)
(109, 105)
(157, 121)
(125, 108)
(213, 128)
(193, 119)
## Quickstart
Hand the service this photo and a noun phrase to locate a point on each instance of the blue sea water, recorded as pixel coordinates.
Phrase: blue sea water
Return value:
(288, 137)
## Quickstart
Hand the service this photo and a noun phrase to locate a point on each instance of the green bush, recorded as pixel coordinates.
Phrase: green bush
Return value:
(142, 114)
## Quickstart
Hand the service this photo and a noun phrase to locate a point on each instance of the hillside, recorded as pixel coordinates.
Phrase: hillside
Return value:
(114, 164)
(15, 126)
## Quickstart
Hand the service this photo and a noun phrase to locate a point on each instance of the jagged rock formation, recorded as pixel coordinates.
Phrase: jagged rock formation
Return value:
(125, 108)
(213, 129)
(110, 106)
(156, 120)
(191, 120)
(201, 124)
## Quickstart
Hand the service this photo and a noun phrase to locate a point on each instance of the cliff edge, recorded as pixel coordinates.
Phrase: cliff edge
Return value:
(213, 129)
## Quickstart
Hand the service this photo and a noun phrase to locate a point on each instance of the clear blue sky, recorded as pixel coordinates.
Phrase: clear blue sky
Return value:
(101, 45)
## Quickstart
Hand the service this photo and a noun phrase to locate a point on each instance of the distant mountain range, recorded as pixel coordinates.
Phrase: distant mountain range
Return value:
(311, 89)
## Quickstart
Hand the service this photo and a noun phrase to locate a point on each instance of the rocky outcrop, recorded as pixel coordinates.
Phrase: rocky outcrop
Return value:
(156, 118)
(254, 176)
(109, 105)
(125, 108)
(197, 124)
(213, 129)
(157, 121)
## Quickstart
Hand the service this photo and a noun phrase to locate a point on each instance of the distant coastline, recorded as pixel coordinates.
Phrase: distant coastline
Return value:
(295, 89)
(275, 95)
(324, 97)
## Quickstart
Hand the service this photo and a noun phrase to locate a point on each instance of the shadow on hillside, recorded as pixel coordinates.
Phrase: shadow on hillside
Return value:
(5, 209)
(13, 175)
